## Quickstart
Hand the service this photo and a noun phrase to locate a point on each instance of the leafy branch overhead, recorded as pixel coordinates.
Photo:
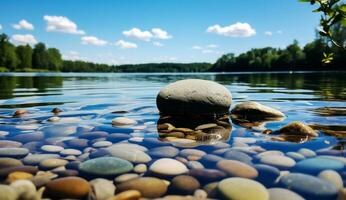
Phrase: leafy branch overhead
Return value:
(333, 13)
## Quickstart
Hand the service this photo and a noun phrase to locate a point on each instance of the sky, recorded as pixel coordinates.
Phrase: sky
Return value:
(145, 31)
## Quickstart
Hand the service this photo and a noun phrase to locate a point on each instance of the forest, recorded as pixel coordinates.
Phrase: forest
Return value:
(39, 58)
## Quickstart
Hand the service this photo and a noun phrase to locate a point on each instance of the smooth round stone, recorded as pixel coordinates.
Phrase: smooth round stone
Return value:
(101, 144)
(184, 185)
(238, 155)
(70, 152)
(149, 187)
(333, 177)
(298, 128)
(281, 162)
(316, 165)
(242, 189)
(308, 186)
(123, 121)
(164, 152)
(25, 189)
(194, 96)
(13, 152)
(133, 155)
(267, 174)
(125, 177)
(4, 133)
(105, 166)
(14, 176)
(168, 166)
(140, 168)
(102, 189)
(77, 143)
(251, 109)
(191, 152)
(53, 119)
(194, 165)
(68, 187)
(307, 153)
(59, 130)
(67, 172)
(28, 137)
(210, 160)
(29, 169)
(9, 144)
(206, 126)
(127, 195)
(35, 159)
(207, 175)
(342, 194)
(9, 162)
(339, 158)
(93, 135)
(237, 169)
(283, 194)
(52, 163)
(8, 193)
(295, 156)
(270, 153)
(52, 148)
(129, 146)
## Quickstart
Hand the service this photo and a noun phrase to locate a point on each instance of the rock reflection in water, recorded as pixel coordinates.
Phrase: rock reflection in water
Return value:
(194, 130)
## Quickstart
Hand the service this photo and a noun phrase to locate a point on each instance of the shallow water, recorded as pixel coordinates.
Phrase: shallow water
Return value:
(88, 100)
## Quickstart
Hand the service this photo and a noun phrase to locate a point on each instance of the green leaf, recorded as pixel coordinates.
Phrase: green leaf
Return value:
(343, 8)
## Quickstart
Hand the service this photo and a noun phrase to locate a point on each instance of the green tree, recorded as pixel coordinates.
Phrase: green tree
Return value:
(8, 57)
(24, 54)
(54, 59)
(40, 58)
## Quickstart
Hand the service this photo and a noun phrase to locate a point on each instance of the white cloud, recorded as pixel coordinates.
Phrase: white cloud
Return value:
(24, 39)
(73, 55)
(196, 47)
(0, 27)
(279, 32)
(158, 44)
(138, 34)
(23, 24)
(212, 46)
(235, 30)
(160, 34)
(92, 40)
(207, 51)
(61, 24)
(268, 33)
(126, 45)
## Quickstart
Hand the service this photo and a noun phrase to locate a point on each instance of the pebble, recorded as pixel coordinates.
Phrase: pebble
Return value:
(308, 186)
(29, 169)
(237, 169)
(254, 110)
(101, 189)
(117, 137)
(7, 193)
(77, 143)
(242, 189)
(125, 177)
(52, 163)
(238, 155)
(333, 177)
(13, 152)
(207, 175)
(52, 148)
(296, 156)
(53, 119)
(59, 130)
(140, 168)
(281, 162)
(19, 112)
(25, 189)
(29, 137)
(149, 187)
(283, 194)
(168, 166)
(267, 174)
(9, 162)
(298, 128)
(194, 165)
(102, 144)
(14, 176)
(123, 121)
(133, 155)
(35, 159)
(184, 184)
(68, 187)
(194, 96)
(10, 144)
(127, 195)
(192, 152)
(316, 165)
(307, 152)
(105, 166)
(93, 135)
(164, 152)
(70, 152)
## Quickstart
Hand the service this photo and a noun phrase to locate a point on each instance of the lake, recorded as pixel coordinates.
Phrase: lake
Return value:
(89, 102)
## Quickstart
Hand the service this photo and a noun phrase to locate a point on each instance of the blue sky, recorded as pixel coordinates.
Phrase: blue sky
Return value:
(141, 31)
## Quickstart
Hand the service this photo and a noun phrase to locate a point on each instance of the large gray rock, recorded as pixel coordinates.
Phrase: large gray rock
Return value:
(194, 97)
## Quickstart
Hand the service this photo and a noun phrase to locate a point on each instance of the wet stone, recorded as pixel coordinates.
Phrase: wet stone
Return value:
(239, 156)
(77, 143)
(123, 121)
(52, 163)
(164, 152)
(52, 148)
(9, 162)
(184, 184)
(7, 193)
(237, 169)
(13, 152)
(148, 187)
(125, 177)
(68, 187)
(168, 166)
(101, 189)
(35, 159)
(9, 144)
(105, 166)
(93, 135)
(316, 165)
(283, 194)
(298, 128)
(309, 187)
(28, 137)
(333, 177)
(29, 169)
(281, 162)
(267, 174)
(140, 168)
(133, 155)
(207, 175)
(70, 152)
(102, 144)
